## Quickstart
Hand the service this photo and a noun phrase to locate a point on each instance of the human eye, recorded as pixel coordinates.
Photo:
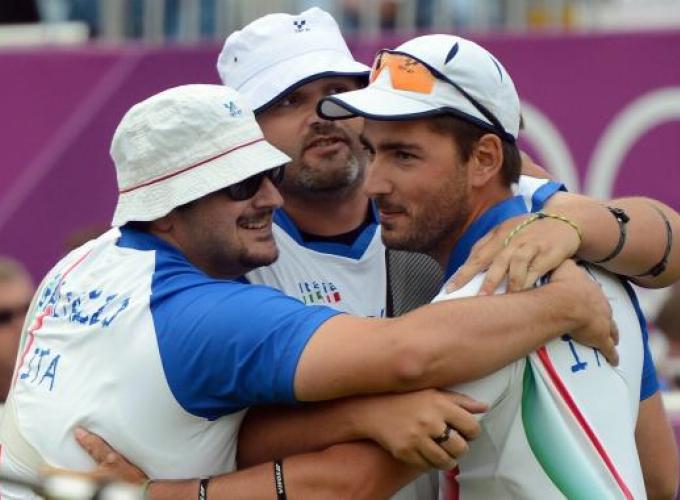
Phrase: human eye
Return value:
(404, 156)
(338, 89)
(288, 101)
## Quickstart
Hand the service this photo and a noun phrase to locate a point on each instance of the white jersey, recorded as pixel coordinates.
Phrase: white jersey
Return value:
(352, 278)
(349, 278)
(561, 422)
(131, 341)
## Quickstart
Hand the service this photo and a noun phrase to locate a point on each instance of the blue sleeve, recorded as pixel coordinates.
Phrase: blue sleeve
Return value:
(544, 193)
(226, 346)
(650, 382)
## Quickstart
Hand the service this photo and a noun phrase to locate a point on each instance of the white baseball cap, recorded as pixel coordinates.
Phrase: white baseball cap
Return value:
(182, 144)
(277, 53)
(433, 75)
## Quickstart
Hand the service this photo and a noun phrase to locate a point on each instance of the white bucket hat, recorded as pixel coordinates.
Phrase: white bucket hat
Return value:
(277, 53)
(469, 82)
(182, 144)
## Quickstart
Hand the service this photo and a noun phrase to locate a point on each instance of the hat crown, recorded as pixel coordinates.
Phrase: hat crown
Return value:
(276, 37)
(183, 144)
(277, 51)
(178, 128)
(475, 69)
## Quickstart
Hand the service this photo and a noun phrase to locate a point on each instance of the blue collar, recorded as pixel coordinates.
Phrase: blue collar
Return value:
(354, 251)
(494, 216)
(141, 240)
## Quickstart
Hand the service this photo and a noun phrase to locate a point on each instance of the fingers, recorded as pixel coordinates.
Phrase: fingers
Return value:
(480, 257)
(455, 447)
(615, 333)
(610, 353)
(96, 447)
(497, 271)
(469, 404)
(110, 463)
(608, 349)
(519, 266)
(438, 457)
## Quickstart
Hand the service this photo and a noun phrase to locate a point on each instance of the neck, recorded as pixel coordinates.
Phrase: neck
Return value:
(480, 201)
(327, 217)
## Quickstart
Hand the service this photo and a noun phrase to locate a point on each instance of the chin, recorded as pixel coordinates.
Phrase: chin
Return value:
(253, 260)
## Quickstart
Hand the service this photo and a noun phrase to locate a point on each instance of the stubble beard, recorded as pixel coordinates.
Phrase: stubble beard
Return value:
(436, 227)
(322, 181)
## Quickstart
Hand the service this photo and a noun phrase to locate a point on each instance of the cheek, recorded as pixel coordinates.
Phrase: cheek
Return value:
(282, 133)
(353, 125)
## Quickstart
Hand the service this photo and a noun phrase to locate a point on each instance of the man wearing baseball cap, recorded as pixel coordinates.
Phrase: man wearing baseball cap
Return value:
(330, 247)
(327, 231)
(283, 64)
(328, 234)
(145, 335)
(442, 119)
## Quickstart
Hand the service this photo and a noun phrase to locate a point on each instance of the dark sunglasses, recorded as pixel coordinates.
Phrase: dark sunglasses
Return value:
(7, 315)
(247, 188)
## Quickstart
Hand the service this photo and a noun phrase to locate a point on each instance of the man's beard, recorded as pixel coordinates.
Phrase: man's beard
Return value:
(332, 177)
(315, 180)
(434, 228)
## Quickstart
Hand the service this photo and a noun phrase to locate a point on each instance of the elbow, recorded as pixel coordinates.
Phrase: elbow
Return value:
(412, 366)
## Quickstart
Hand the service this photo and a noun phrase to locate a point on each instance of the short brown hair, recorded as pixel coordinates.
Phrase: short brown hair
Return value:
(466, 135)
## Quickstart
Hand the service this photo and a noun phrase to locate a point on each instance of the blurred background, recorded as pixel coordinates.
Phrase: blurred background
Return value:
(599, 81)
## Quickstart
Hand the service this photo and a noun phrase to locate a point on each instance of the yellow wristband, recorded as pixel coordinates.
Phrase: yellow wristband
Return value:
(145, 489)
(539, 216)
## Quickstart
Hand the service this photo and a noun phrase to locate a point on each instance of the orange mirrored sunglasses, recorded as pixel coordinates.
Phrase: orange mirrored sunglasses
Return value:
(406, 73)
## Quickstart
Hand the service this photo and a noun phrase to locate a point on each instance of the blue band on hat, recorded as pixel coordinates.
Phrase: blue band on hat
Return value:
(304, 81)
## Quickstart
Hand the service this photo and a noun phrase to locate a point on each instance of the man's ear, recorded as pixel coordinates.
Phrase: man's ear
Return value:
(486, 160)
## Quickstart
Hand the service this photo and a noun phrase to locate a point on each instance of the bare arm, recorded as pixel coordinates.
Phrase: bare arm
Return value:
(646, 235)
(345, 471)
(542, 245)
(358, 470)
(656, 448)
(450, 342)
(403, 424)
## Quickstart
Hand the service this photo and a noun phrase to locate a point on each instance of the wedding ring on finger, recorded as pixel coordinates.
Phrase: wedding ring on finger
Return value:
(444, 436)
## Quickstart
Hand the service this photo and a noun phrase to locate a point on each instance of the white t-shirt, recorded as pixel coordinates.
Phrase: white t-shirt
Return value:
(131, 341)
(350, 278)
(561, 422)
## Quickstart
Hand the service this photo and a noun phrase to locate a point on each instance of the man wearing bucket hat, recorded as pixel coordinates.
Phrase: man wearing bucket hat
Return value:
(327, 230)
(327, 233)
(442, 118)
(145, 335)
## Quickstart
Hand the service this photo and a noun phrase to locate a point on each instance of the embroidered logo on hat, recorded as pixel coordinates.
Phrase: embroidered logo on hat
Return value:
(234, 110)
(265, 60)
(300, 25)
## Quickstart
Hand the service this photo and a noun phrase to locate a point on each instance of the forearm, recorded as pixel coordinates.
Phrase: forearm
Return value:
(491, 334)
(457, 341)
(657, 450)
(646, 235)
(352, 471)
(281, 431)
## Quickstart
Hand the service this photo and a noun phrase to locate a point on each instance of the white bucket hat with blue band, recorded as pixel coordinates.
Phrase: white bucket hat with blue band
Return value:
(183, 144)
(277, 53)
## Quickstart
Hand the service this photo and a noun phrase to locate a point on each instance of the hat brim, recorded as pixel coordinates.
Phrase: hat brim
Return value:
(289, 74)
(374, 103)
(157, 198)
